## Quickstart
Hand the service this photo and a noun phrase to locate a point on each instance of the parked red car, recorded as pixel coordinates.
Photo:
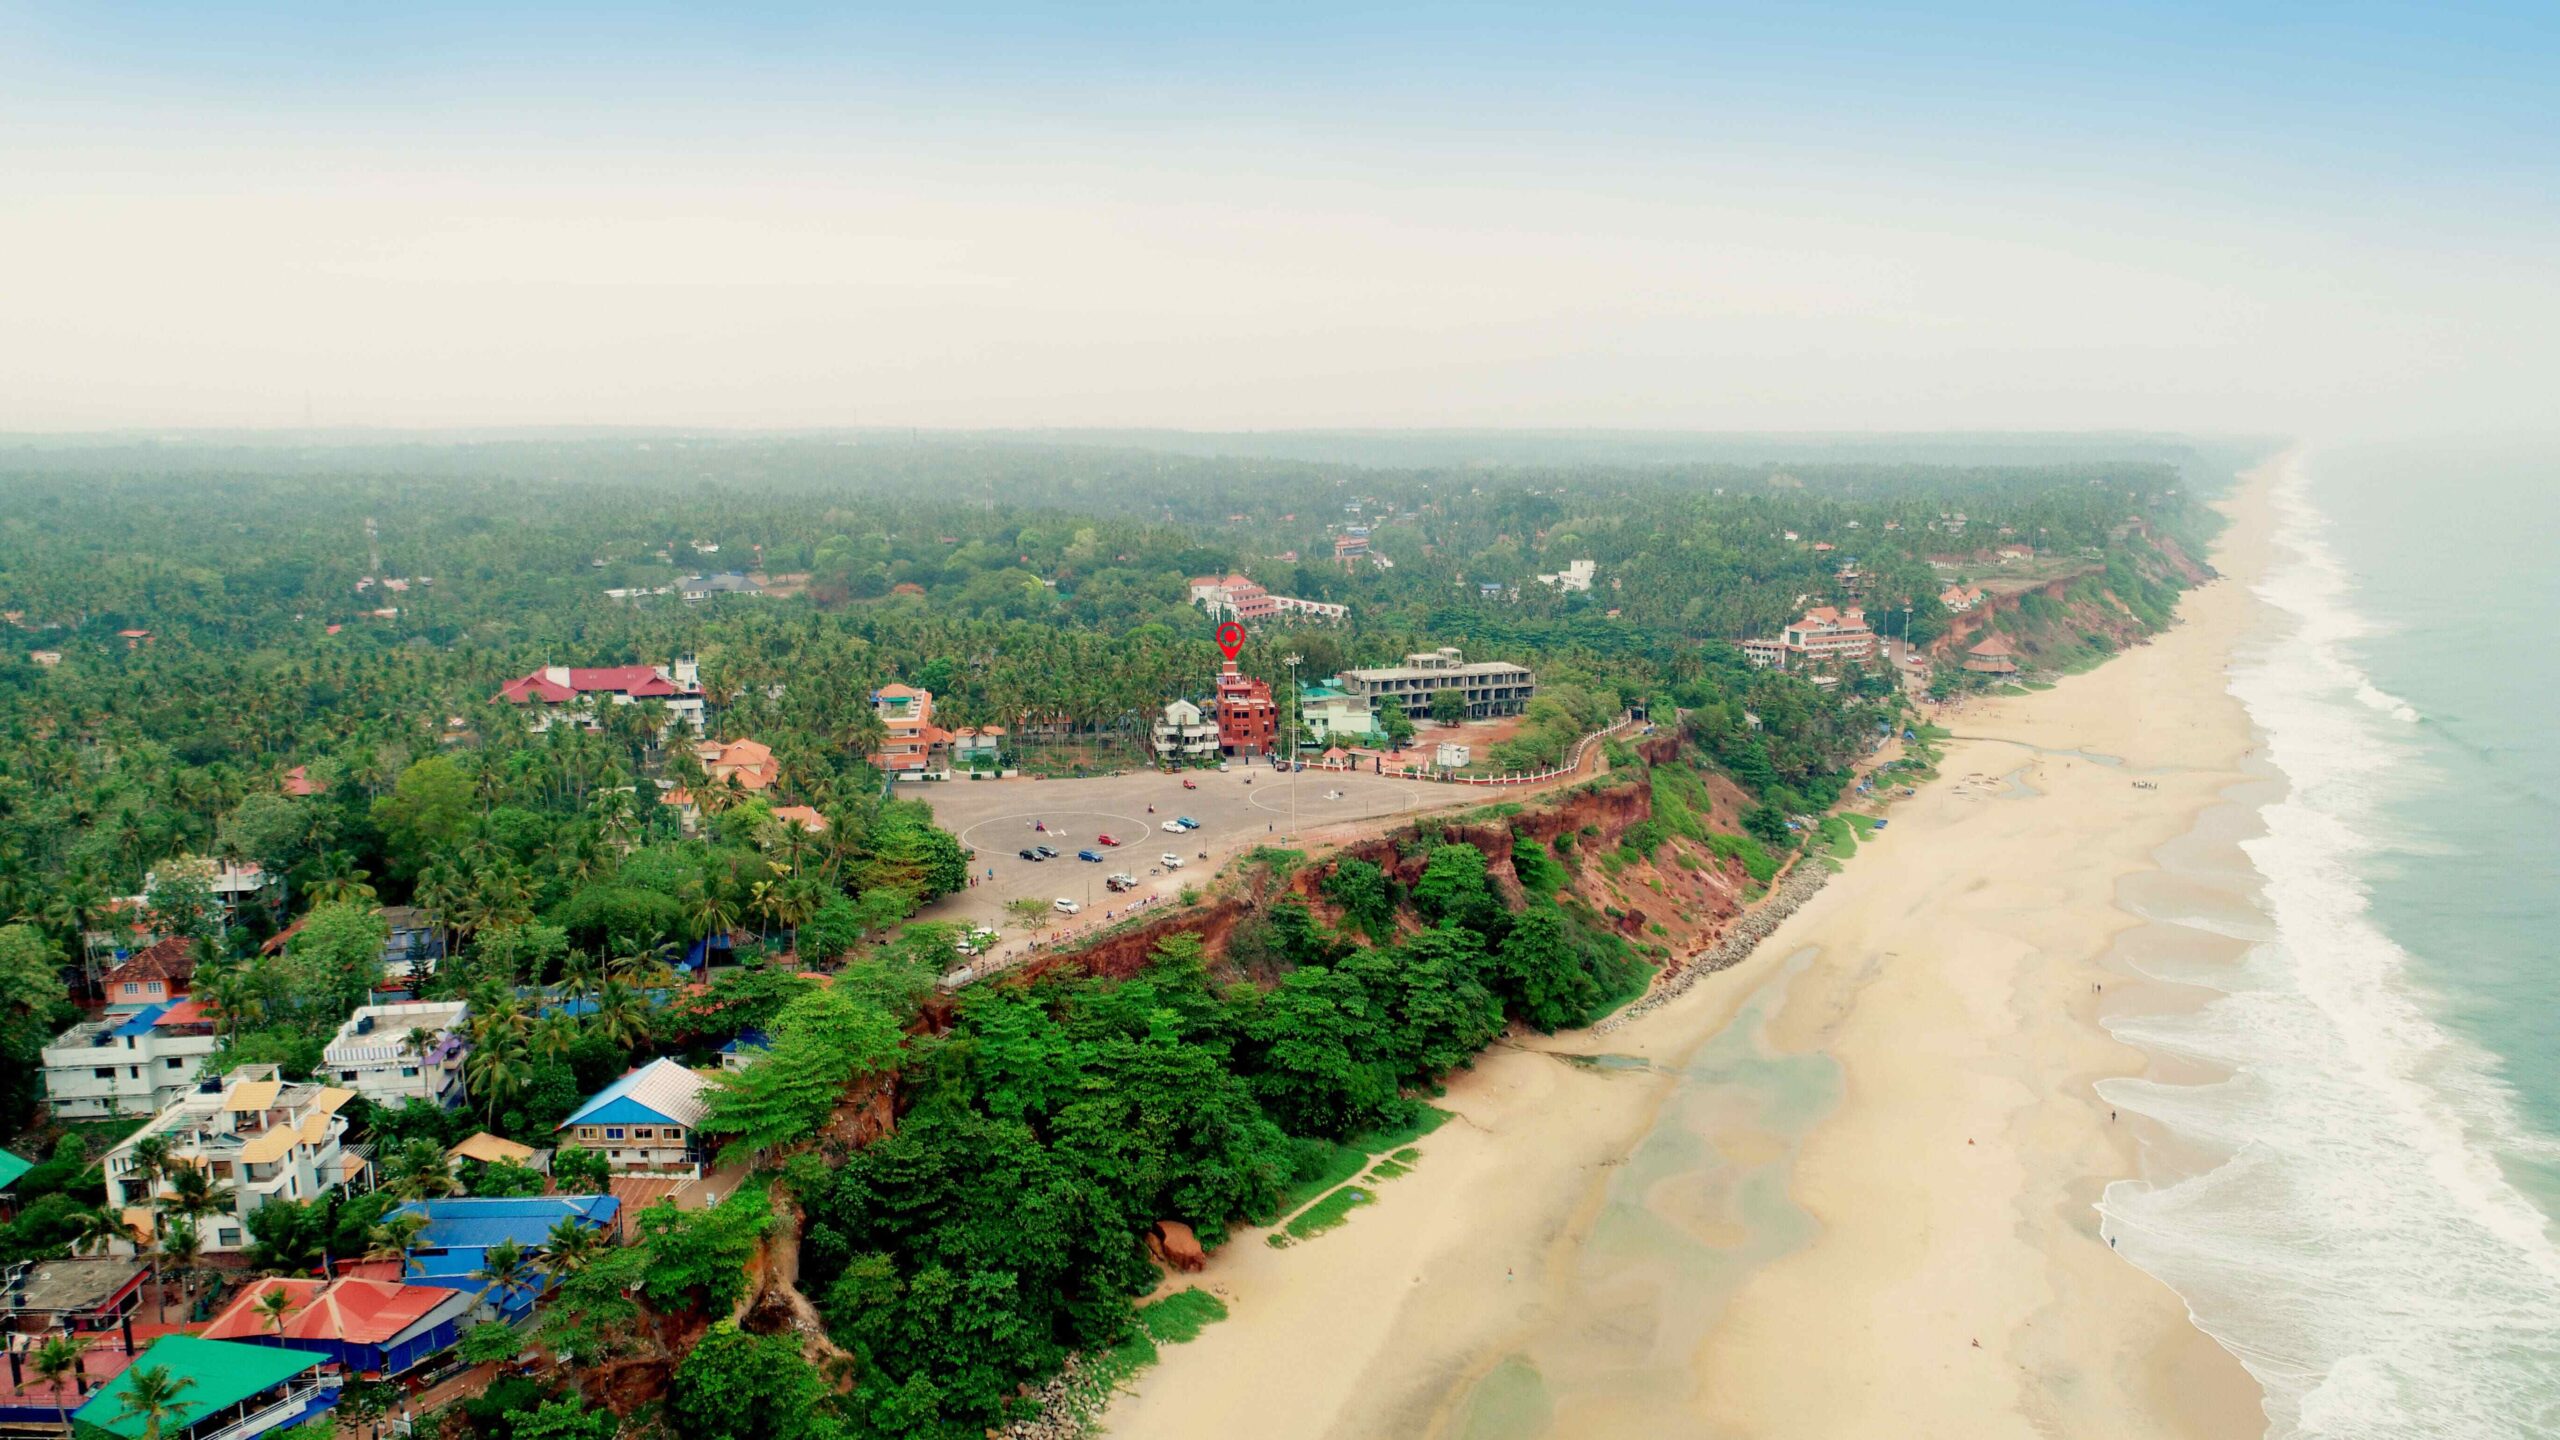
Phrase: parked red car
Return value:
(1104, 840)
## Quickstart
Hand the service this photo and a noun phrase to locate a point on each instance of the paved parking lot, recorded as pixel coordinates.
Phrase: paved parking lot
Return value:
(997, 819)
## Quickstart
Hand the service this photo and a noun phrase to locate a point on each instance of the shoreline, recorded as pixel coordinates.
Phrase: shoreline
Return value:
(1801, 1225)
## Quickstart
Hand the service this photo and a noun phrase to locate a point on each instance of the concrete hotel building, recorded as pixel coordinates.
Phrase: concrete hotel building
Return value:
(1492, 687)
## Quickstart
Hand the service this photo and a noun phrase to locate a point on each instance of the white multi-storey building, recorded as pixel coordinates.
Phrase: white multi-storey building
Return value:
(259, 1139)
(1185, 735)
(372, 1055)
(132, 1064)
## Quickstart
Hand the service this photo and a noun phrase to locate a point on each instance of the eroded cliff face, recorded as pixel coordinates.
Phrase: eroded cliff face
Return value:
(1689, 900)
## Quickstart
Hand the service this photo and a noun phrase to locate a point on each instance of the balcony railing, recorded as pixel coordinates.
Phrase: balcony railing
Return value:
(295, 1401)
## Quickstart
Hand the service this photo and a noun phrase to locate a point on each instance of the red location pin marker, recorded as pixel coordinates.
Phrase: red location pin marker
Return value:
(1231, 638)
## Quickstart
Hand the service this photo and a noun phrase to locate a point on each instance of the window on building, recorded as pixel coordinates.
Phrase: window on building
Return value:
(613, 1132)
(104, 1072)
(174, 1063)
(130, 988)
(228, 1235)
(643, 1132)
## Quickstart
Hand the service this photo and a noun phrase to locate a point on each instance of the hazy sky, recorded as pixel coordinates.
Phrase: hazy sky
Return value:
(2331, 218)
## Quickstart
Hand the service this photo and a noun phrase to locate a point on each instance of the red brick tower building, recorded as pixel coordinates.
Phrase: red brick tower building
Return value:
(1248, 718)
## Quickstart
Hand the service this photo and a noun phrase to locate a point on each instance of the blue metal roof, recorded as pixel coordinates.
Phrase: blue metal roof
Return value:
(750, 1038)
(141, 1021)
(477, 1224)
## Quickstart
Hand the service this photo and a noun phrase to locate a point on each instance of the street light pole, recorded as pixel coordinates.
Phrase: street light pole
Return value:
(1295, 701)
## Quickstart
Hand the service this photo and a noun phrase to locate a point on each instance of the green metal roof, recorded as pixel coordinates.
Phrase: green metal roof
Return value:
(225, 1373)
(11, 1167)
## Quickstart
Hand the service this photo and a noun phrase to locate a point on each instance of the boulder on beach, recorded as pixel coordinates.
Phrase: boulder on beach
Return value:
(1172, 1242)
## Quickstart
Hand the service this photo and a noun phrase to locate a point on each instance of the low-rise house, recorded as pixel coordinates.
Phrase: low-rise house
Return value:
(460, 1232)
(236, 886)
(297, 782)
(1329, 711)
(414, 942)
(806, 817)
(558, 694)
(46, 658)
(1960, 598)
(73, 1292)
(1450, 755)
(746, 764)
(158, 974)
(1185, 736)
(263, 1138)
(491, 1149)
(229, 1391)
(368, 1327)
(977, 747)
(645, 1122)
(373, 1055)
(744, 1049)
(135, 1063)
(697, 588)
(1576, 575)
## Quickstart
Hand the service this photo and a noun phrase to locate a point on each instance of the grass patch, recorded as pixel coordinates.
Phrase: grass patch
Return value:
(1327, 1213)
(1280, 862)
(1837, 837)
(1324, 1164)
(1173, 1320)
(1387, 1170)
(1862, 824)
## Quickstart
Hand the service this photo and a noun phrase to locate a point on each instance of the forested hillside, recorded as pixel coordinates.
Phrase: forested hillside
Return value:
(289, 657)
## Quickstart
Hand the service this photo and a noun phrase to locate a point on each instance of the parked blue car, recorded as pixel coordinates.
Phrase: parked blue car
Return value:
(1093, 855)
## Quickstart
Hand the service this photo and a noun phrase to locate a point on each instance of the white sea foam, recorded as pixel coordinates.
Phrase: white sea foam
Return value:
(2361, 1250)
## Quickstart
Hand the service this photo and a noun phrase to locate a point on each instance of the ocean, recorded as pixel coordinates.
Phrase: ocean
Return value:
(2371, 1227)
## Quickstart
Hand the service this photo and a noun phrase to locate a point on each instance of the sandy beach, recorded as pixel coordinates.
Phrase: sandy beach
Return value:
(1844, 1189)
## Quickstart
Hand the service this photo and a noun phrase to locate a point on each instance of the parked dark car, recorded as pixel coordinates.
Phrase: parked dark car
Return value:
(1033, 855)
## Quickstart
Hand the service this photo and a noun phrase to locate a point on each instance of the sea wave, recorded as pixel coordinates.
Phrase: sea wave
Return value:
(2361, 1250)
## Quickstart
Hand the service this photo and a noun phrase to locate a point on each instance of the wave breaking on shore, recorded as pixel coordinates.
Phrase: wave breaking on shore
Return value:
(2360, 1249)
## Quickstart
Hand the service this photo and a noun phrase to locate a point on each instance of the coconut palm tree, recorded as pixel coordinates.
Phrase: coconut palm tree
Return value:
(419, 1170)
(194, 1194)
(337, 879)
(96, 1227)
(569, 1246)
(156, 1396)
(392, 1238)
(507, 1269)
(623, 1016)
(275, 1306)
(420, 1040)
(181, 1246)
(497, 1072)
(56, 1361)
(149, 1159)
(554, 1035)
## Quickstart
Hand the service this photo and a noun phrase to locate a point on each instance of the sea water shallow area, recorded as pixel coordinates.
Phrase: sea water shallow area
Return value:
(2342, 1188)
(1698, 1205)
